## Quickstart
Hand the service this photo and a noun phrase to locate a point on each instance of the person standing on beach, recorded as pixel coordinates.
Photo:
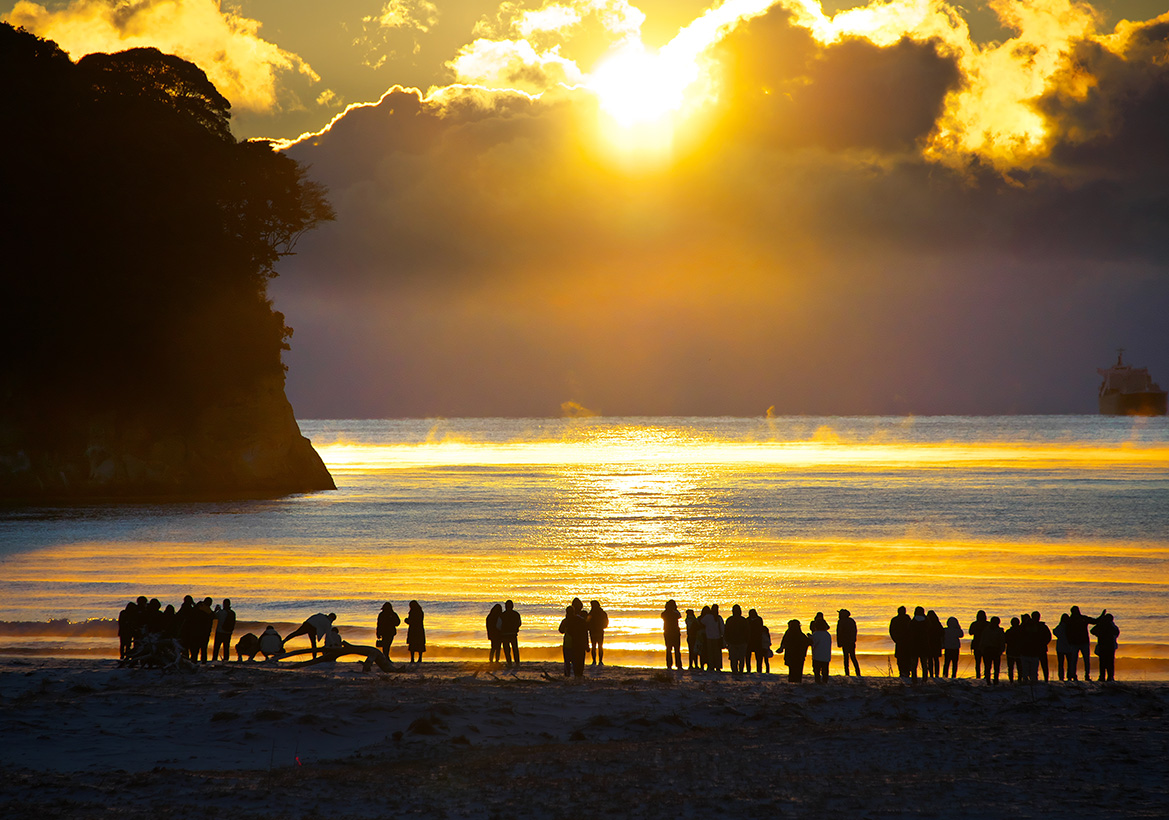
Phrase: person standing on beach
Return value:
(694, 630)
(952, 645)
(575, 627)
(1014, 640)
(1081, 643)
(127, 629)
(900, 631)
(935, 634)
(754, 640)
(821, 650)
(1063, 649)
(976, 628)
(567, 629)
(224, 627)
(794, 645)
(715, 632)
(199, 624)
(846, 639)
(917, 636)
(735, 632)
(1106, 632)
(672, 634)
(494, 634)
(317, 627)
(416, 631)
(597, 621)
(994, 641)
(509, 632)
(1043, 640)
(387, 628)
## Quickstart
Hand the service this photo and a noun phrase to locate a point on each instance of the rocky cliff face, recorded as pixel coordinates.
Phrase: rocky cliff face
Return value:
(246, 444)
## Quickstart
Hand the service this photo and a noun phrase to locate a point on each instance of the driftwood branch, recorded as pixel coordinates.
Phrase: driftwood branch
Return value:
(371, 654)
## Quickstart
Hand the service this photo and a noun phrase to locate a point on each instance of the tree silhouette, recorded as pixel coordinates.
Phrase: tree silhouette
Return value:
(138, 239)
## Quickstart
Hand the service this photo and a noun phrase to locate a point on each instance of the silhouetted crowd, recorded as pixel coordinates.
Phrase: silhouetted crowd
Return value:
(152, 635)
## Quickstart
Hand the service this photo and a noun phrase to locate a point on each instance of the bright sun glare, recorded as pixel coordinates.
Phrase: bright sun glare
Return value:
(638, 88)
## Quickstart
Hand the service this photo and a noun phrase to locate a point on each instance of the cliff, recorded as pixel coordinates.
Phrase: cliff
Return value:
(142, 354)
(246, 444)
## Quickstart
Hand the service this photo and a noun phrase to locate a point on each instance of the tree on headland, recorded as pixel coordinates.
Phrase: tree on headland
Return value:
(138, 237)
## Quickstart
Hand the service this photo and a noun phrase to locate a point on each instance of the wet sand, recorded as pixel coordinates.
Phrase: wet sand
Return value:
(82, 739)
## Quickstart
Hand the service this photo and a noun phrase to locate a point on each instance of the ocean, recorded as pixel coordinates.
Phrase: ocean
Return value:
(788, 515)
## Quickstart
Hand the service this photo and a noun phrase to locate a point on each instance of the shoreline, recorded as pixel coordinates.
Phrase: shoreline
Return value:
(82, 738)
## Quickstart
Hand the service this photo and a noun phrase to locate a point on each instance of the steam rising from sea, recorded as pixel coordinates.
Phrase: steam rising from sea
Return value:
(787, 515)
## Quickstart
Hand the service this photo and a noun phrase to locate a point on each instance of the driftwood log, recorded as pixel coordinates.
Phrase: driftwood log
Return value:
(372, 656)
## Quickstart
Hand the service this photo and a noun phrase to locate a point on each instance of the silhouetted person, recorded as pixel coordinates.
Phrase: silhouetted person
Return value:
(509, 632)
(994, 642)
(821, 650)
(935, 634)
(577, 628)
(976, 628)
(794, 645)
(1063, 649)
(952, 646)
(128, 626)
(1081, 643)
(1043, 640)
(316, 627)
(597, 621)
(182, 624)
(248, 645)
(735, 634)
(567, 628)
(1014, 639)
(846, 639)
(1029, 648)
(415, 632)
(387, 628)
(166, 623)
(767, 652)
(495, 633)
(919, 638)
(714, 632)
(333, 639)
(672, 634)
(1106, 632)
(271, 644)
(224, 627)
(817, 621)
(694, 631)
(199, 624)
(754, 641)
(901, 632)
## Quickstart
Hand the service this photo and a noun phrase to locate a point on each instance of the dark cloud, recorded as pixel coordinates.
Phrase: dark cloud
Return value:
(788, 91)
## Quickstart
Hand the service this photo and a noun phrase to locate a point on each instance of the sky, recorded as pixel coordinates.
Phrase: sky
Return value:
(670, 208)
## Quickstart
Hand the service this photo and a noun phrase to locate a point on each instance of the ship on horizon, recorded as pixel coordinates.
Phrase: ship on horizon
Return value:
(1129, 391)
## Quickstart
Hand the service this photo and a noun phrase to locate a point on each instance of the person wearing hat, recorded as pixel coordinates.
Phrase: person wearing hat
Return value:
(846, 639)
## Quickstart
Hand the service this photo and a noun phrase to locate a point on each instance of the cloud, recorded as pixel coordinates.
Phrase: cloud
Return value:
(245, 68)
(513, 64)
(420, 15)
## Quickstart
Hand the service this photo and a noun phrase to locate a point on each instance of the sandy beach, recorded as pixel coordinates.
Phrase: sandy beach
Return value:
(83, 738)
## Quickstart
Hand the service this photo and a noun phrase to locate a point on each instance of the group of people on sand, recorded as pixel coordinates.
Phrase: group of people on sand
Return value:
(1025, 643)
(151, 634)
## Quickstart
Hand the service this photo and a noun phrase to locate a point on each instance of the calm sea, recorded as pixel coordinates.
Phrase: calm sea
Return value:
(786, 515)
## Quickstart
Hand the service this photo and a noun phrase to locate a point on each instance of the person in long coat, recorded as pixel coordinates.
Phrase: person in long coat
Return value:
(794, 646)
(416, 633)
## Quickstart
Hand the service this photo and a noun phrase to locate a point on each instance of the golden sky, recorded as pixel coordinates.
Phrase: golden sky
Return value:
(665, 207)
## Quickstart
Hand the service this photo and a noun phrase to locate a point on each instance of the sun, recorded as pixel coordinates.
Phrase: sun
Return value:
(636, 87)
(644, 98)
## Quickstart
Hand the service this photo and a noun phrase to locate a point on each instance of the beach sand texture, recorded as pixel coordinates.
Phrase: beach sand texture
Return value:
(83, 738)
